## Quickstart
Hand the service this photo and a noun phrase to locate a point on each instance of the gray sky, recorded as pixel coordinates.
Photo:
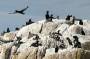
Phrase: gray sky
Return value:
(37, 9)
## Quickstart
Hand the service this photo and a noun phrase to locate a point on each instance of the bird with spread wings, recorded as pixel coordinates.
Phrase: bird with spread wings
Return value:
(20, 11)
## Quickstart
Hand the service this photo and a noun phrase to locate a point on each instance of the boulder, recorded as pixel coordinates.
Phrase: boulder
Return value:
(48, 27)
(75, 29)
(9, 36)
(33, 28)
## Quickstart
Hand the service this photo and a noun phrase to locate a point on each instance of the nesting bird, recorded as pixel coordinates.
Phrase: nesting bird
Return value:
(29, 22)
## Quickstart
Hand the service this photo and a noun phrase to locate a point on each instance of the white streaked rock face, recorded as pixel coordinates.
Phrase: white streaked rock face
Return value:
(42, 39)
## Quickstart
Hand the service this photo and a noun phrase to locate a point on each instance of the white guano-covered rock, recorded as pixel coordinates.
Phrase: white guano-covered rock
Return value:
(9, 36)
(47, 40)
(33, 28)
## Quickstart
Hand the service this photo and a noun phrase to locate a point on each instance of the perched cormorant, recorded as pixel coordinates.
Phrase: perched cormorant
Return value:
(68, 17)
(77, 44)
(82, 32)
(8, 30)
(69, 41)
(47, 15)
(16, 28)
(51, 17)
(56, 49)
(80, 22)
(29, 22)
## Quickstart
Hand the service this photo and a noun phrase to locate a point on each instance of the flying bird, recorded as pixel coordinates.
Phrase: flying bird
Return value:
(20, 11)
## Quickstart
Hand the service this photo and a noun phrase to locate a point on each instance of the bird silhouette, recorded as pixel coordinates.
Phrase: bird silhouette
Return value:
(20, 11)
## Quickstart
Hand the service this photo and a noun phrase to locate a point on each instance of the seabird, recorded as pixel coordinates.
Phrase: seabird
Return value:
(69, 41)
(77, 44)
(20, 11)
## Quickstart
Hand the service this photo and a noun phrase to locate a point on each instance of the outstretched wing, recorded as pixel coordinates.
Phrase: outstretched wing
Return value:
(24, 9)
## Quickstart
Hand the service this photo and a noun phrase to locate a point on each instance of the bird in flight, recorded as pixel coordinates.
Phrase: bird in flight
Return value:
(20, 11)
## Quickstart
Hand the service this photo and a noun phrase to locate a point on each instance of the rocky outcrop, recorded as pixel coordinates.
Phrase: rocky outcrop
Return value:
(33, 28)
(46, 40)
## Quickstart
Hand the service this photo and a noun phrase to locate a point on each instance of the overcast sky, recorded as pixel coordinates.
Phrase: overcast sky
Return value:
(37, 9)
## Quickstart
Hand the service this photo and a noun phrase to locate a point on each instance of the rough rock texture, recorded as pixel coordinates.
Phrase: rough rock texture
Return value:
(47, 40)
(49, 27)
(30, 28)
(67, 54)
(9, 36)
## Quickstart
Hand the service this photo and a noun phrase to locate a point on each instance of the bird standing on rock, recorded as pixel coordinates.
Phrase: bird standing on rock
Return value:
(77, 44)
(47, 15)
(69, 41)
(36, 44)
